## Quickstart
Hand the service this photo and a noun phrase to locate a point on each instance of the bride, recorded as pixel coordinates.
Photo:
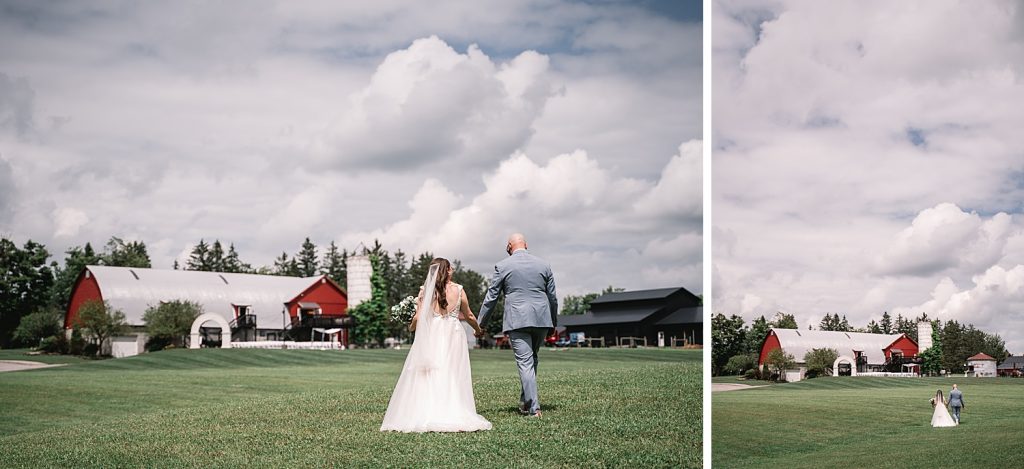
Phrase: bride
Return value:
(435, 391)
(941, 417)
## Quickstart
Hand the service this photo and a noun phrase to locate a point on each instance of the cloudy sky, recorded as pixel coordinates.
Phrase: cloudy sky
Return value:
(869, 157)
(428, 125)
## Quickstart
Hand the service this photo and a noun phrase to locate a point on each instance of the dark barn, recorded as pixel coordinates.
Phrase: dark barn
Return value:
(665, 316)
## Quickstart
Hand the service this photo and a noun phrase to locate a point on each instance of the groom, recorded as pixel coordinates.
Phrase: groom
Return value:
(531, 310)
(956, 402)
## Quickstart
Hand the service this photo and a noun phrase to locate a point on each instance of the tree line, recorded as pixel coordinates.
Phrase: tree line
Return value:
(736, 347)
(33, 285)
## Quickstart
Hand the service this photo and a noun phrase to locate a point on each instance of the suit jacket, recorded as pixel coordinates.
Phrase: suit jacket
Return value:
(529, 288)
(956, 398)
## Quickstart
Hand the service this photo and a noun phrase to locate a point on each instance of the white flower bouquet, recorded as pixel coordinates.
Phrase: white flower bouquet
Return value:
(402, 312)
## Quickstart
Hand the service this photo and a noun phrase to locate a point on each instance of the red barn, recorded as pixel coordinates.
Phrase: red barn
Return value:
(864, 352)
(256, 307)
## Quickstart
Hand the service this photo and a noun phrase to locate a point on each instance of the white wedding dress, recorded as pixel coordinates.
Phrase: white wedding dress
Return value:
(940, 416)
(435, 391)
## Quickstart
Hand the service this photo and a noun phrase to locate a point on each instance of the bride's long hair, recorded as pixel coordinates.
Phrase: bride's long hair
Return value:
(443, 276)
(938, 397)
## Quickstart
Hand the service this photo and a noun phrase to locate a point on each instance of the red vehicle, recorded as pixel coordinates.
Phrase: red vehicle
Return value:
(551, 339)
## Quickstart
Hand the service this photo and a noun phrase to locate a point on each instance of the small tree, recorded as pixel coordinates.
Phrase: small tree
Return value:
(101, 322)
(739, 364)
(819, 361)
(39, 325)
(931, 359)
(171, 322)
(779, 361)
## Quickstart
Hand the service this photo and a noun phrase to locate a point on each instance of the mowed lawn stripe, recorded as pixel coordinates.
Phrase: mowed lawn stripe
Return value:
(272, 408)
(867, 422)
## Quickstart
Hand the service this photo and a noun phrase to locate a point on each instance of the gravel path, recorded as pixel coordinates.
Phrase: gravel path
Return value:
(18, 365)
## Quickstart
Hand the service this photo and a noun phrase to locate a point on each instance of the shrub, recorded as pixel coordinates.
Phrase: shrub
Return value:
(819, 361)
(77, 344)
(778, 362)
(57, 343)
(739, 364)
(40, 325)
(170, 322)
(752, 373)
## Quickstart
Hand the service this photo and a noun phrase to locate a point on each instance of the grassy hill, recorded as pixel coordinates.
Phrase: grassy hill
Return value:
(867, 422)
(234, 408)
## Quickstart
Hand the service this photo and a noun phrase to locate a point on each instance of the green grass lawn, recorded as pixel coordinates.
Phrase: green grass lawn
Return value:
(854, 422)
(28, 356)
(277, 408)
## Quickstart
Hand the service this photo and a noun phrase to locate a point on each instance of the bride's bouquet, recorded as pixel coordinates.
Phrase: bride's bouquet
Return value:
(932, 401)
(402, 312)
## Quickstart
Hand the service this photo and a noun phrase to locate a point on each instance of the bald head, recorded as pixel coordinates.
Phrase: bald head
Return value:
(515, 241)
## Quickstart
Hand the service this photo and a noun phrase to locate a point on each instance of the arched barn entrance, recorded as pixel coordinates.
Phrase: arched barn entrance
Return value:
(844, 360)
(225, 330)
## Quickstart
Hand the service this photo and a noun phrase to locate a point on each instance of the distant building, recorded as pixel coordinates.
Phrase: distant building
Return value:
(1012, 366)
(981, 365)
(859, 352)
(241, 307)
(664, 317)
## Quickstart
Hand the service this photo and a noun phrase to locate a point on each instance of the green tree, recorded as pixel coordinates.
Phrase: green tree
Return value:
(118, 253)
(819, 361)
(101, 322)
(728, 338)
(756, 335)
(739, 364)
(215, 258)
(779, 361)
(874, 328)
(372, 315)
(886, 324)
(573, 304)
(43, 323)
(307, 259)
(77, 258)
(25, 283)
(199, 258)
(171, 322)
(334, 265)
(784, 321)
(233, 264)
(285, 267)
(931, 359)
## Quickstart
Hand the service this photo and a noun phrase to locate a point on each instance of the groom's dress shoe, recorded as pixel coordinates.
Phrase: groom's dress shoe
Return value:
(524, 407)
(535, 414)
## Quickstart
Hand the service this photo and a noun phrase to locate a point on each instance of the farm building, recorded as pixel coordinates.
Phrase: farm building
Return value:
(1012, 366)
(858, 352)
(981, 365)
(666, 316)
(239, 307)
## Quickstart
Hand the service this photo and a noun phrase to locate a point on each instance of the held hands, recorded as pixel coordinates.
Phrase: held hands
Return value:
(479, 333)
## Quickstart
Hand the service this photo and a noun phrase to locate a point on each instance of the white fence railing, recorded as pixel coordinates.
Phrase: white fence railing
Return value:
(887, 374)
(287, 344)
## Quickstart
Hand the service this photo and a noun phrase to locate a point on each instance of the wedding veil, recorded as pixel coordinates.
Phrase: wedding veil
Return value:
(420, 356)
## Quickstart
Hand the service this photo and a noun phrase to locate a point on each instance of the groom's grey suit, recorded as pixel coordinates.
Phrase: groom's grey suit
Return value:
(531, 310)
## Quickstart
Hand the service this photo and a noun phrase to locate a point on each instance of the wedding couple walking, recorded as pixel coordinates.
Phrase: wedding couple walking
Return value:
(435, 390)
(940, 416)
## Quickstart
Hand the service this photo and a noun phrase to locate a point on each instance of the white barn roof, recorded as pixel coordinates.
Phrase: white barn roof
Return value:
(133, 290)
(799, 342)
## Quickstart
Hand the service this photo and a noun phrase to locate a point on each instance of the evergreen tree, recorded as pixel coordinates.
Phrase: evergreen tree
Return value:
(334, 264)
(874, 328)
(176, 266)
(307, 259)
(199, 259)
(233, 264)
(886, 323)
(215, 258)
(286, 267)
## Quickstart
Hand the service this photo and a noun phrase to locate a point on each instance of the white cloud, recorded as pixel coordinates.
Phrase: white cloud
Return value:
(857, 165)
(68, 221)
(434, 103)
(178, 122)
